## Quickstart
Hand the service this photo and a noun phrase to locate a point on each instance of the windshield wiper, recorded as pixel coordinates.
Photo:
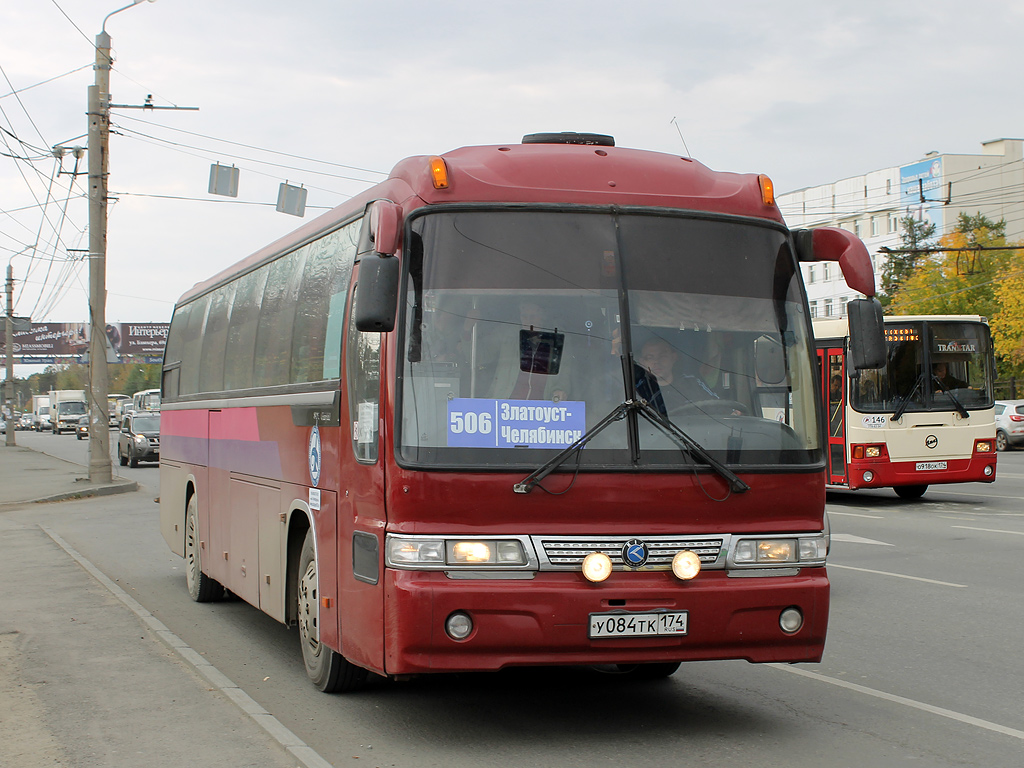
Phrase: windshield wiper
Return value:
(905, 402)
(682, 439)
(691, 446)
(532, 480)
(956, 401)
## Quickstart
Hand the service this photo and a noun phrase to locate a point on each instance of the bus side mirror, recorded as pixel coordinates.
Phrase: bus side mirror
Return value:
(834, 244)
(385, 226)
(867, 336)
(377, 293)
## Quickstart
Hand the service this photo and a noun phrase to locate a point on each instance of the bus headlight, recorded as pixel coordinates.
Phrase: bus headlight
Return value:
(438, 553)
(802, 550)
(491, 552)
(416, 551)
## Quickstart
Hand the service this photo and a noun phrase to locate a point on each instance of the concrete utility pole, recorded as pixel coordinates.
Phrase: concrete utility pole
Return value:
(99, 138)
(9, 384)
(99, 144)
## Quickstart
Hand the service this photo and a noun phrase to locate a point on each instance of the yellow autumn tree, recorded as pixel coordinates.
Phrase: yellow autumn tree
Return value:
(1008, 324)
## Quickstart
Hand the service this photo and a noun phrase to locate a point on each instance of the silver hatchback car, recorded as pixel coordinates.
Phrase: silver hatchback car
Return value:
(1009, 424)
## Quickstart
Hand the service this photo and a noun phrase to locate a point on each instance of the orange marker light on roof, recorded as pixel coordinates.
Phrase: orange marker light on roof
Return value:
(767, 190)
(439, 173)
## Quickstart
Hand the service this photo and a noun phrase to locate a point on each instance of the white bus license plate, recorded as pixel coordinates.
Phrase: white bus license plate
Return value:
(638, 624)
(927, 466)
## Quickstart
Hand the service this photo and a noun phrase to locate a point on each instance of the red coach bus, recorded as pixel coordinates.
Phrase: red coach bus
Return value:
(543, 403)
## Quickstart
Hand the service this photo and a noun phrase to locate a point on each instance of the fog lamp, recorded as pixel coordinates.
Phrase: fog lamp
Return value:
(990, 470)
(869, 476)
(790, 620)
(597, 566)
(458, 626)
(686, 565)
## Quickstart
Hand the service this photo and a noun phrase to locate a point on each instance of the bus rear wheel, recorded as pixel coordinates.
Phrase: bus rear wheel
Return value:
(329, 670)
(201, 587)
(910, 491)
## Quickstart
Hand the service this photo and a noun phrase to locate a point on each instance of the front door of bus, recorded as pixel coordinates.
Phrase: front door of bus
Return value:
(833, 386)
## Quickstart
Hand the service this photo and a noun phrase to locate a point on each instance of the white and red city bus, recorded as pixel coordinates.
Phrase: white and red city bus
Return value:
(925, 418)
(542, 403)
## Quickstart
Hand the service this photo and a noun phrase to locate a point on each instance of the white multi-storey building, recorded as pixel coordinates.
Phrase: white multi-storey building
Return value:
(939, 187)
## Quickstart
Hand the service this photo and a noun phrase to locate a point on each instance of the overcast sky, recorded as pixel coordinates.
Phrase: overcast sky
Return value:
(807, 92)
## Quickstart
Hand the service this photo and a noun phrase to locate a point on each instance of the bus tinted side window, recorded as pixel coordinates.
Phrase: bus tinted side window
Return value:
(245, 311)
(320, 313)
(277, 314)
(211, 376)
(192, 347)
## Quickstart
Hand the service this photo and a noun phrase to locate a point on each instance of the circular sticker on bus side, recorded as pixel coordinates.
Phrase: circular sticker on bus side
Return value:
(314, 456)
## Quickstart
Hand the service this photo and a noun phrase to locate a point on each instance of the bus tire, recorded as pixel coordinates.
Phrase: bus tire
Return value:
(910, 491)
(201, 587)
(329, 670)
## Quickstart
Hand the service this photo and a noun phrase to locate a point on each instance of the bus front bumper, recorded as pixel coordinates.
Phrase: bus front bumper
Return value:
(868, 473)
(545, 620)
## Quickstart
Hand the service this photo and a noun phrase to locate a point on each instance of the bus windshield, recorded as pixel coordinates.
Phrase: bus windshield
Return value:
(932, 366)
(524, 328)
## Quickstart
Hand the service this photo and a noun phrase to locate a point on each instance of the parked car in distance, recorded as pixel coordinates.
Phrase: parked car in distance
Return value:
(139, 438)
(1009, 424)
(82, 430)
(26, 421)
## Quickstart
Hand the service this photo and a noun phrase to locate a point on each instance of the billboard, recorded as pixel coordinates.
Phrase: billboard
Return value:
(68, 342)
(921, 191)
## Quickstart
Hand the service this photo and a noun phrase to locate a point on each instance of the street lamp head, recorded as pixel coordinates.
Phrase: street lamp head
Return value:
(103, 29)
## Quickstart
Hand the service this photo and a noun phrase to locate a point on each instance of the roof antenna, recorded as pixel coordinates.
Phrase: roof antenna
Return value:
(675, 122)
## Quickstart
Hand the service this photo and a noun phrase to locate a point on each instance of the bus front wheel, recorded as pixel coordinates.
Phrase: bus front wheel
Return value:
(329, 670)
(201, 587)
(910, 491)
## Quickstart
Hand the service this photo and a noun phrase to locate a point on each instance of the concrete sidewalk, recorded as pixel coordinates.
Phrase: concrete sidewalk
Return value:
(88, 677)
(28, 476)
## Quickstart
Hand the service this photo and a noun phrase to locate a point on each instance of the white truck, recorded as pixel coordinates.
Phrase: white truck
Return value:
(67, 406)
(40, 412)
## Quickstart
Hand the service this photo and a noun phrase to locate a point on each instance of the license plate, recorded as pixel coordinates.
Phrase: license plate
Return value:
(638, 624)
(927, 466)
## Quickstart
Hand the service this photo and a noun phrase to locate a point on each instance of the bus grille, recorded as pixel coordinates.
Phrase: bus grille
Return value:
(567, 553)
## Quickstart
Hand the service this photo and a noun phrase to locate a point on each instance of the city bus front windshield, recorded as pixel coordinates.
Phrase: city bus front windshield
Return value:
(931, 366)
(522, 329)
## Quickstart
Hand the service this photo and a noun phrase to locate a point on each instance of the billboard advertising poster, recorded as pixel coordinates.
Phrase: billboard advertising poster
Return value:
(48, 342)
(923, 180)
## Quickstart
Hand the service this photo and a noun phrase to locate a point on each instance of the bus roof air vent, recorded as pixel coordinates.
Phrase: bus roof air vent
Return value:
(570, 137)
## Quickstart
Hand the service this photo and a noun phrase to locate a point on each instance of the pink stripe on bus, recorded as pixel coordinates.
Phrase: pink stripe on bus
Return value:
(229, 424)
(234, 424)
(183, 423)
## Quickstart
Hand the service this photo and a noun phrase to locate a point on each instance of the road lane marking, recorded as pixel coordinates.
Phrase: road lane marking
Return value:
(849, 538)
(288, 740)
(988, 530)
(902, 700)
(854, 514)
(898, 576)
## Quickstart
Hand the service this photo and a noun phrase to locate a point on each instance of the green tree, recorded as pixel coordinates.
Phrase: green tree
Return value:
(901, 265)
(961, 279)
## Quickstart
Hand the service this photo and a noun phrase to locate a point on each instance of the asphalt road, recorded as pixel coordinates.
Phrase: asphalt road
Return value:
(922, 664)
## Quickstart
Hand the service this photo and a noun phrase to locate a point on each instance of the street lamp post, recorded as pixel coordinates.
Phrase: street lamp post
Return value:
(99, 137)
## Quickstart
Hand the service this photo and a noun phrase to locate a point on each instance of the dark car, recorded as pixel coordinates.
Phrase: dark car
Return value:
(139, 438)
(82, 430)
